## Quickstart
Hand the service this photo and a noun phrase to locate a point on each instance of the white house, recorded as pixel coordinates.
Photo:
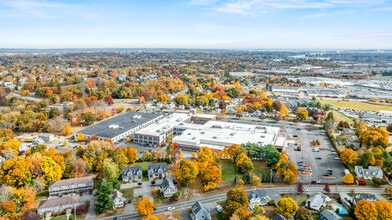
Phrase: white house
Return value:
(199, 212)
(168, 188)
(118, 199)
(316, 201)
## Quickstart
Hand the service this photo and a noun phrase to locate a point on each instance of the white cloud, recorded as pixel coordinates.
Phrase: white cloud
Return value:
(203, 2)
(316, 15)
(36, 8)
(253, 6)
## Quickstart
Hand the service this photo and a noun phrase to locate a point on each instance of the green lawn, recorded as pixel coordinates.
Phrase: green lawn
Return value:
(358, 105)
(228, 171)
(340, 117)
(64, 217)
(127, 193)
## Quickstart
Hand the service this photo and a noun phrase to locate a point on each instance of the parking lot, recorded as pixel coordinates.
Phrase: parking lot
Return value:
(323, 161)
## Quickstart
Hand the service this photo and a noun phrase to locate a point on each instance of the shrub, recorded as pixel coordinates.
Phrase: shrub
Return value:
(82, 209)
(379, 181)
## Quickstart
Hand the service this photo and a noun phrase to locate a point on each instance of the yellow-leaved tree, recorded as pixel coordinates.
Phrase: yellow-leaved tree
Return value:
(287, 207)
(366, 210)
(186, 171)
(348, 178)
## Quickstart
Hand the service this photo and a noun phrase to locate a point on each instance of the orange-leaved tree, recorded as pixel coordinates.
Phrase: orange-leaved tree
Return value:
(145, 206)
(349, 157)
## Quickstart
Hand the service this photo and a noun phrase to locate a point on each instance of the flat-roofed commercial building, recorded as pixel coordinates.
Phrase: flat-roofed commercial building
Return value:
(217, 135)
(121, 126)
(202, 118)
(156, 134)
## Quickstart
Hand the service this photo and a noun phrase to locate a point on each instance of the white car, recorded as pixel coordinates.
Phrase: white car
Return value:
(171, 208)
(219, 208)
(306, 190)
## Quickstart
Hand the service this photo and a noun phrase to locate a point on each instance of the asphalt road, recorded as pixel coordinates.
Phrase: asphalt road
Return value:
(185, 205)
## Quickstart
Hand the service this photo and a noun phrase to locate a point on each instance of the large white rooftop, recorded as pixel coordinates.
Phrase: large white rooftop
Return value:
(165, 123)
(217, 135)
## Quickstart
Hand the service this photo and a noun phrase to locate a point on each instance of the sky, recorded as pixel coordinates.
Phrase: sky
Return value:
(205, 24)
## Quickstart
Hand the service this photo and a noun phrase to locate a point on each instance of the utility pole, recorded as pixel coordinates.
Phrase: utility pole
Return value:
(271, 178)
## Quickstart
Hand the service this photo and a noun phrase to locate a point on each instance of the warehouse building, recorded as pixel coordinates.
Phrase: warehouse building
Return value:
(121, 126)
(217, 135)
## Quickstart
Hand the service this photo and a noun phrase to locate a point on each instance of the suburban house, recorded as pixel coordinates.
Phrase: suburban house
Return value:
(46, 137)
(168, 188)
(130, 174)
(364, 196)
(58, 205)
(279, 217)
(329, 215)
(316, 201)
(199, 212)
(369, 173)
(261, 197)
(71, 186)
(156, 171)
(118, 199)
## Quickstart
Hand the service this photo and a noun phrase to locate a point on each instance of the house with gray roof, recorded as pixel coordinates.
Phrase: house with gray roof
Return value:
(118, 199)
(71, 186)
(134, 173)
(156, 171)
(364, 196)
(316, 201)
(199, 212)
(261, 197)
(58, 205)
(120, 126)
(279, 217)
(329, 215)
(369, 173)
(168, 189)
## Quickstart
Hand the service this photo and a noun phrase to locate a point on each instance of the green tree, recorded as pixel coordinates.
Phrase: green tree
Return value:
(110, 170)
(104, 199)
(270, 154)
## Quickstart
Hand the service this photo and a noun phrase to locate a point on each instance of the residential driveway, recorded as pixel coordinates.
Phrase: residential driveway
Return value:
(144, 190)
(91, 211)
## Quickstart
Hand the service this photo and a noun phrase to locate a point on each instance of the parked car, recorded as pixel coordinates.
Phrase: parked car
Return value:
(318, 158)
(171, 208)
(219, 208)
